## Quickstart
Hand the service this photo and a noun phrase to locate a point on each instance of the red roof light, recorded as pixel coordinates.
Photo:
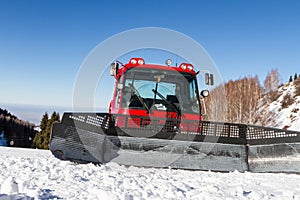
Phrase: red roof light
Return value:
(186, 66)
(136, 61)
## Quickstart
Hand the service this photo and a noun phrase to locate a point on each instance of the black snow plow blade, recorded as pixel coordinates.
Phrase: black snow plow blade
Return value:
(186, 144)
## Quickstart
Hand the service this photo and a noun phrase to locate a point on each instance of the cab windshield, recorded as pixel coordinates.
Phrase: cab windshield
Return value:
(157, 89)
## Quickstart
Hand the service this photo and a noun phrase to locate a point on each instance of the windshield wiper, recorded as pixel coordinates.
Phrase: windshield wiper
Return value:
(139, 97)
(167, 101)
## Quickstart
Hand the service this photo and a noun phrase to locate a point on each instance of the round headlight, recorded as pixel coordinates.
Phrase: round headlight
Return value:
(204, 93)
(168, 62)
(133, 61)
(183, 67)
(140, 62)
(190, 67)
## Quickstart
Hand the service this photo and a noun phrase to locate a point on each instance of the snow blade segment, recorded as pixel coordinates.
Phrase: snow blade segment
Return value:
(186, 144)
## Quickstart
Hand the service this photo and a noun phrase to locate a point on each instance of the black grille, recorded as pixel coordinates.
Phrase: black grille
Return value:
(178, 129)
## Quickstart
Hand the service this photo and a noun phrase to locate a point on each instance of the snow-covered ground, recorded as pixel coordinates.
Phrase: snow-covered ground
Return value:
(30, 173)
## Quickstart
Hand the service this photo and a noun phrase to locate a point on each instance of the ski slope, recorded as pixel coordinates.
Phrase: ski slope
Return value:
(36, 174)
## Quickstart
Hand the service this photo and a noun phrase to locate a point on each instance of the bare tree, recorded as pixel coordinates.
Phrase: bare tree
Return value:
(271, 84)
(242, 97)
(216, 105)
(253, 94)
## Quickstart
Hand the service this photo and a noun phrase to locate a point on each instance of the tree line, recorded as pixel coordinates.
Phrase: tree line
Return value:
(242, 100)
(17, 132)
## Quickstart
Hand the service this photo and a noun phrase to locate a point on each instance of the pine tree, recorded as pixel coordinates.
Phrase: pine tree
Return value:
(42, 139)
(295, 76)
(44, 121)
(54, 118)
(297, 86)
(291, 79)
(39, 137)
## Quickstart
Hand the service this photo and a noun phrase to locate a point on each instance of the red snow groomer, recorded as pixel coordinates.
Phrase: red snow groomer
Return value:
(155, 120)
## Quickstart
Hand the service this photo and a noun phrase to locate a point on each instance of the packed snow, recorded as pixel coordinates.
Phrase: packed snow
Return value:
(36, 174)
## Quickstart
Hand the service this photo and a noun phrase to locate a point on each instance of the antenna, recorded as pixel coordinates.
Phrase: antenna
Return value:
(177, 52)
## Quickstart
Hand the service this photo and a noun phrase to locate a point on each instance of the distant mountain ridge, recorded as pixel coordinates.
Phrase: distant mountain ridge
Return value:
(5, 113)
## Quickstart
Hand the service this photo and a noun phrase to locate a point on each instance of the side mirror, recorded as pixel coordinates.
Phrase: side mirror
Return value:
(209, 79)
(114, 67)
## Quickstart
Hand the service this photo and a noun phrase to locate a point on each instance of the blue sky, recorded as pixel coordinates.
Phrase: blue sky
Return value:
(43, 43)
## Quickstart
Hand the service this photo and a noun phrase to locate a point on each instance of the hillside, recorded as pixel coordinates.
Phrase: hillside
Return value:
(17, 132)
(284, 111)
(32, 173)
(246, 101)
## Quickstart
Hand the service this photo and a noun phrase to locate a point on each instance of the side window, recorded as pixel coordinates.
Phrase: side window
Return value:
(118, 98)
(118, 93)
(193, 90)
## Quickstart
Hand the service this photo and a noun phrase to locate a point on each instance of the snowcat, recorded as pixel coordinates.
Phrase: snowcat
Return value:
(155, 119)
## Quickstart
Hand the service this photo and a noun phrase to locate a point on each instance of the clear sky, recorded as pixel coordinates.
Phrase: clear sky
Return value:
(43, 43)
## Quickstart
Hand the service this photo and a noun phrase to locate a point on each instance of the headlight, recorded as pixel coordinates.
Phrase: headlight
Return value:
(204, 93)
(168, 62)
(133, 61)
(140, 62)
(190, 67)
